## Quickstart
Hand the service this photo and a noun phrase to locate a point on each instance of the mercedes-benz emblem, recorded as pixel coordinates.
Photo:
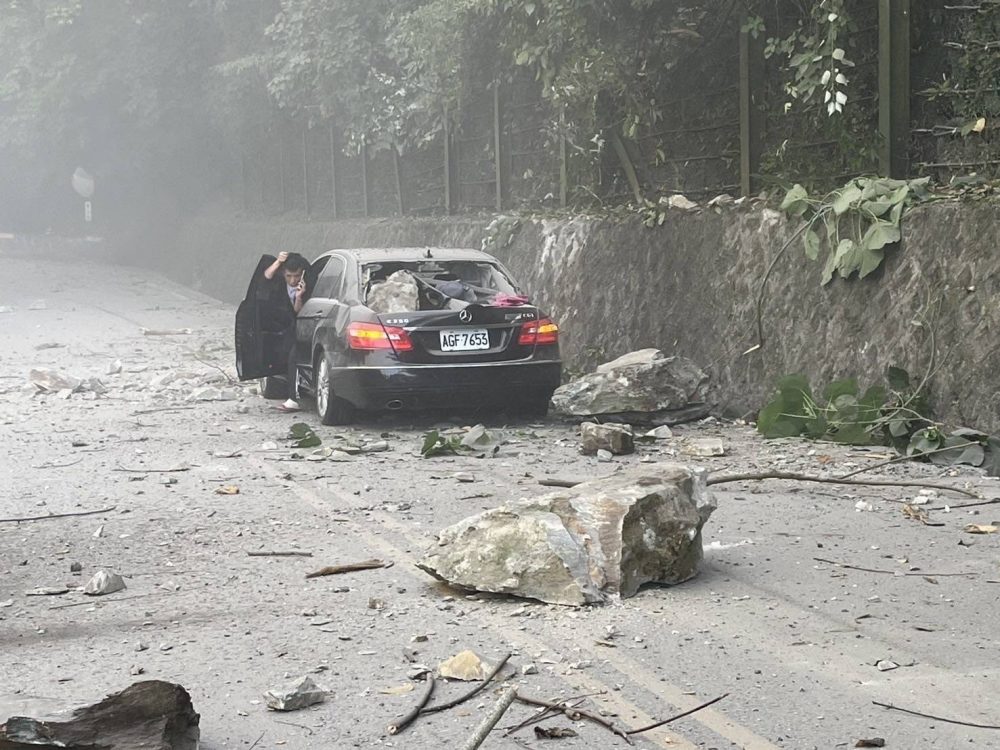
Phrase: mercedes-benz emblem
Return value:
(465, 316)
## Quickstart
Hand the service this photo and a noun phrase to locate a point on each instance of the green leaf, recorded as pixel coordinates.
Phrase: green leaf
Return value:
(796, 201)
(870, 261)
(838, 388)
(811, 242)
(304, 436)
(786, 414)
(877, 207)
(880, 234)
(961, 452)
(923, 441)
(845, 198)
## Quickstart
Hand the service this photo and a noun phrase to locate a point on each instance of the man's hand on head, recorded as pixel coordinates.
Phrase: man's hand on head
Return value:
(282, 256)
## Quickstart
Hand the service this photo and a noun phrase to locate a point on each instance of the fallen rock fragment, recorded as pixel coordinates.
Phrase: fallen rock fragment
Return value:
(150, 714)
(295, 695)
(614, 438)
(643, 387)
(104, 582)
(53, 381)
(588, 544)
(705, 447)
(397, 294)
(465, 666)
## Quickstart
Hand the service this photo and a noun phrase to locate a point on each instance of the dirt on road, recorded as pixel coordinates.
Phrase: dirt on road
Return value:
(775, 619)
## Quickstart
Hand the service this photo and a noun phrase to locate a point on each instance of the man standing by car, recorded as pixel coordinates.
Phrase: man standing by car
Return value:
(287, 295)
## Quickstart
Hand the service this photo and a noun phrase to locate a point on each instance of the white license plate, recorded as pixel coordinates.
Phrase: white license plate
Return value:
(465, 340)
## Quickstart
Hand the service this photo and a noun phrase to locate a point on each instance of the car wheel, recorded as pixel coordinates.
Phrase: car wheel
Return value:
(331, 410)
(274, 388)
(533, 407)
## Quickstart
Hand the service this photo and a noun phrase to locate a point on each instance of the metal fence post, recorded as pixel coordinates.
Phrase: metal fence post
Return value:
(281, 171)
(364, 175)
(449, 198)
(497, 150)
(751, 131)
(563, 161)
(333, 173)
(894, 87)
(305, 169)
(399, 180)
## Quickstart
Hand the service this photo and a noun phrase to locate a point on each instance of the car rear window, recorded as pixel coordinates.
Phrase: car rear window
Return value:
(434, 284)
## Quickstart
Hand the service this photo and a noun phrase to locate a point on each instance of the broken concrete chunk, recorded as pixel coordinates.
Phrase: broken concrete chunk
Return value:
(53, 381)
(210, 393)
(615, 438)
(464, 666)
(642, 387)
(397, 294)
(295, 695)
(705, 447)
(104, 582)
(150, 714)
(681, 202)
(589, 544)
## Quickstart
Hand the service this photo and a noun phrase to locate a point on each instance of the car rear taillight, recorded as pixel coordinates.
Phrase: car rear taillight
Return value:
(371, 336)
(541, 333)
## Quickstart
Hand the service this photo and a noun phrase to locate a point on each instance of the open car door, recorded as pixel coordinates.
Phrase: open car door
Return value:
(260, 326)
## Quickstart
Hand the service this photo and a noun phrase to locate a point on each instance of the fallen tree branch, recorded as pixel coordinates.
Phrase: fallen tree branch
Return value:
(59, 515)
(936, 718)
(152, 471)
(490, 720)
(333, 570)
(901, 459)
(576, 713)
(889, 572)
(290, 553)
(400, 724)
(469, 694)
(542, 715)
(57, 466)
(658, 724)
(791, 476)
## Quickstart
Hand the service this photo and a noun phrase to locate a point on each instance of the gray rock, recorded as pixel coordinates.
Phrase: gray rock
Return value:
(705, 447)
(104, 582)
(53, 381)
(589, 544)
(660, 433)
(605, 457)
(643, 387)
(397, 294)
(615, 438)
(295, 695)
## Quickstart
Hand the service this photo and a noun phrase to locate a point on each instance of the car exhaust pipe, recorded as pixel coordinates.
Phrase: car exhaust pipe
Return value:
(394, 405)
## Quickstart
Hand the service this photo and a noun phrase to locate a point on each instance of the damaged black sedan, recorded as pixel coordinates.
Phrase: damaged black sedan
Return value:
(403, 329)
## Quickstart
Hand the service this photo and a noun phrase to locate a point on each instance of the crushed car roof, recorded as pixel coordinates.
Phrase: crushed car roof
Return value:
(384, 254)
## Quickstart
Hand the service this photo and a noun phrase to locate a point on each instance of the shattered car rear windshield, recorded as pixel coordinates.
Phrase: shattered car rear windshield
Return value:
(435, 284)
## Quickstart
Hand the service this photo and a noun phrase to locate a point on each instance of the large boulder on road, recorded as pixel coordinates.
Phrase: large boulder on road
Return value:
(643, 387)
(593, 543)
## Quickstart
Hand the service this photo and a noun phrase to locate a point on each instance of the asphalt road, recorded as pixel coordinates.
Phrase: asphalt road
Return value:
(792, 640)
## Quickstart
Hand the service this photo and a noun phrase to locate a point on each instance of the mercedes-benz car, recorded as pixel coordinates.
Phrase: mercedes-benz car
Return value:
(403, 329)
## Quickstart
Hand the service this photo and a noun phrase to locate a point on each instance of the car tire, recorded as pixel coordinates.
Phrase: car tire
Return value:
(331, 409)
(274, 388)
(534, 407)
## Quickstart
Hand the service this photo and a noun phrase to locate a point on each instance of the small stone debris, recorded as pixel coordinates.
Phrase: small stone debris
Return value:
(605, 457)
(300, 693)
(7, 603)
(211, 393)
(464, 477)
(466, 666)
(873, 742)
(136, 670)
(104, 582)
(99, 532)
(379, 446)
(885, 665)
(115, 367)
(53, 381)
(863, 506)
(554, 733)
(618, 439)
(660, 433)
(527, 669)
(705, 447)
(75, 567)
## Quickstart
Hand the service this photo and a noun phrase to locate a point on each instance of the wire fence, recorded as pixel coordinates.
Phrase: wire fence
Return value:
(915, 103)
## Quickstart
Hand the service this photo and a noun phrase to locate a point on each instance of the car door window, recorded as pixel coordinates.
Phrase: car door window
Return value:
(331, 280)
